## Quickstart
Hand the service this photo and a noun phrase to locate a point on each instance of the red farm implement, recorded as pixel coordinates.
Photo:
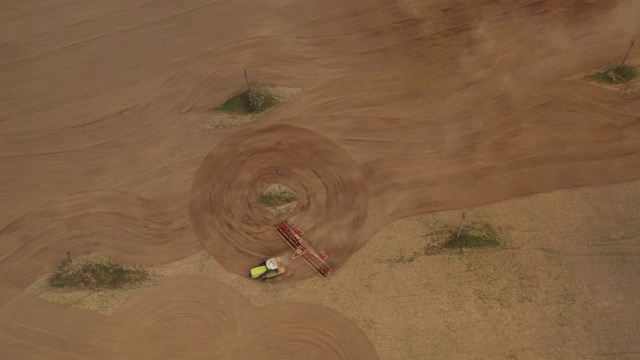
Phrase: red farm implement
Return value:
(293, 237)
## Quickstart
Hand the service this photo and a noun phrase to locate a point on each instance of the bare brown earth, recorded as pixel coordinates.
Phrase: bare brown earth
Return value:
(406, 108)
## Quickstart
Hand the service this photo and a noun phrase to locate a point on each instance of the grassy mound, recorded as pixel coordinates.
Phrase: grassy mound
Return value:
(94, 275)
(249, 102)
(614, 75)
(275, 199)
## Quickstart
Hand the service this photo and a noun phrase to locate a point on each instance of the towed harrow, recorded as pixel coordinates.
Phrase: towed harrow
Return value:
(302, 249)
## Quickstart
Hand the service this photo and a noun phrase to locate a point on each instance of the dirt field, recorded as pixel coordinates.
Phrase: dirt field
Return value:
(408, 113)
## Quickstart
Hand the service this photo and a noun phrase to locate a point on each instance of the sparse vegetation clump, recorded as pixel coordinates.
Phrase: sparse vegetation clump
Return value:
(615, 75)
(476, 235)
(259, 99)
(256, 100)
(94, 275)
(275, 199)
(443, 236)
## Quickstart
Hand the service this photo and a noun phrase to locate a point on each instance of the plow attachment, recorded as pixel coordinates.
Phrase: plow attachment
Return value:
(293, 237)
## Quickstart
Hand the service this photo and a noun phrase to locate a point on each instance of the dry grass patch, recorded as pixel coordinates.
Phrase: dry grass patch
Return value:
(280, 200)
(95, 273)
(91, 282)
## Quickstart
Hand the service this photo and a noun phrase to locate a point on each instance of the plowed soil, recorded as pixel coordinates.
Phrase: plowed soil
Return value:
(406, 108)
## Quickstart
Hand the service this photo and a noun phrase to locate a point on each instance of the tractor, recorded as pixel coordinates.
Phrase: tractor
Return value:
(266, 270)
(293, 237)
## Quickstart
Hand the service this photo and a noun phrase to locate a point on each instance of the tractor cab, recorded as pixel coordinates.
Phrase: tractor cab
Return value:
(266, 270)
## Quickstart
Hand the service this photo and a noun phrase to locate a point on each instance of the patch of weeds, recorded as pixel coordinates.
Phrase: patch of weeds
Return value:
(249, 102)
(614, 75)
(276, 199)
(476, 235)
(94, 275)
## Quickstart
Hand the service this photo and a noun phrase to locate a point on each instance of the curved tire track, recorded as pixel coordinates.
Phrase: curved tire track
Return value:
(332, 196)
(289, 330)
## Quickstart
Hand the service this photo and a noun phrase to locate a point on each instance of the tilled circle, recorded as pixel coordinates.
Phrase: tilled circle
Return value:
(238, 232)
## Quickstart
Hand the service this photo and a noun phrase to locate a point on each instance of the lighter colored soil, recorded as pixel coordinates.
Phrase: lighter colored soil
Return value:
(550, 284)
(218, 120)
(411, 112)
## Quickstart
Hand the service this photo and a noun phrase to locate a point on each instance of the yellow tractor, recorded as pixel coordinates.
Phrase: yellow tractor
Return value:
(266, 270)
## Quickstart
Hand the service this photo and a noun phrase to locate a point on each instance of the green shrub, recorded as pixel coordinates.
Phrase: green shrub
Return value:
(94, 275)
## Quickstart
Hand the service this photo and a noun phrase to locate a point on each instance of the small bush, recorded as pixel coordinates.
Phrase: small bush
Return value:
(95, 275)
